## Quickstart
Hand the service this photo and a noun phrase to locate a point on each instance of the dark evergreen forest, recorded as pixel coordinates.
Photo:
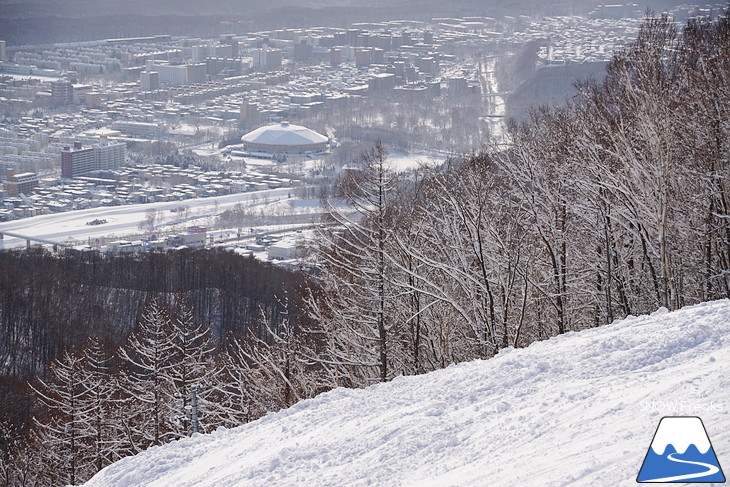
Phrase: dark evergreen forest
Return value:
(61, 309)
(49, 304)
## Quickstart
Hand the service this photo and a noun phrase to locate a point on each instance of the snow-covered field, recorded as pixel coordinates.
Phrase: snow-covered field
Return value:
(576, 410)
(401, 162)
(124, 220)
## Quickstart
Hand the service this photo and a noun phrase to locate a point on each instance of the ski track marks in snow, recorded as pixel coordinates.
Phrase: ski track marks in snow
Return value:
(568, 411)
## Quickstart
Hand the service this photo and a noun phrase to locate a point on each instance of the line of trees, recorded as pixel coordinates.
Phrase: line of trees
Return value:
(97, 407)
(49, 303)
(616, 204)
(63, 320)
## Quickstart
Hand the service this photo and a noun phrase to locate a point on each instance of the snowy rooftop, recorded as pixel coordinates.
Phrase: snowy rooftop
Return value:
(284, 134)
(576, 410)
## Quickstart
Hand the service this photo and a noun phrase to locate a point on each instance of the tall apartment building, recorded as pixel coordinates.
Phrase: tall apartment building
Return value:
(109, 156)
(362, 57)
(225, 50)
(196, 73)
(170, 74)
(302, 51)
(202, 52)
(199, 53)
(80, 161)
(62, 92)
(250, 115)
(266, 59)
(223, 66)
(3, 52)
(178, 74)
(149, 80)
(76, 161)
(229, 40)
(335, 57)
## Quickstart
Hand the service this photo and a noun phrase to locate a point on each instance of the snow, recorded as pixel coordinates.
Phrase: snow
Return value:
(184, 129)
(402, 162)
(576, 410)
(123, 220)
(284, 134)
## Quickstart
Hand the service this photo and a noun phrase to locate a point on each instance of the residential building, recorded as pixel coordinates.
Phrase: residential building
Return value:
(76, 161)
(109, 155)
(381, 82)
(174, 75)
(139, 129)
(81, 161)
(93, 99)
(177, 74)
(80, 92)
(149, 80)
(196, 73)
(362, 57)
(62, 92)
(16, 184)
(266, 59)
(335, 57)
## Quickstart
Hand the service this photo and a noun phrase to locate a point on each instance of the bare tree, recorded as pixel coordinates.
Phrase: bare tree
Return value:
(354, 309)
(151, 219)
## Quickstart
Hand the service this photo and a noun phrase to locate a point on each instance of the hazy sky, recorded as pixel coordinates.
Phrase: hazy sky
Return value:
(44, 21)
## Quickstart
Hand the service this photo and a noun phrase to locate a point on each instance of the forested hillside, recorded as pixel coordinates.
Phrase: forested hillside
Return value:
(113, 347)
(49, 304)
(615, 205)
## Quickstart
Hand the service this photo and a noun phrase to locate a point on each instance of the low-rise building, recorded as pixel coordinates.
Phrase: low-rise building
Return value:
(22, 183)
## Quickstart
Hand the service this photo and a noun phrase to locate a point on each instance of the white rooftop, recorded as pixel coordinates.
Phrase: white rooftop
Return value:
(284, 134)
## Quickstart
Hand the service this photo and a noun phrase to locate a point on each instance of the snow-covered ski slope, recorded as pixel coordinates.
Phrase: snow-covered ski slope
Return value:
(576, 410)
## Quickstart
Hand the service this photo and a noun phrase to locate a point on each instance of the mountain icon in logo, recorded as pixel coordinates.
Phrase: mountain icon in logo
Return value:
(681, 452)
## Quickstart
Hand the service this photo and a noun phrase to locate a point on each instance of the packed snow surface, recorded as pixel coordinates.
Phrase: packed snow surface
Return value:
(576, 410)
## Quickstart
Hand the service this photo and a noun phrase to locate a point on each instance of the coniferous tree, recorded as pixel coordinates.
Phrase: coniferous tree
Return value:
(148, 384)
(192, 369)
(66, 429)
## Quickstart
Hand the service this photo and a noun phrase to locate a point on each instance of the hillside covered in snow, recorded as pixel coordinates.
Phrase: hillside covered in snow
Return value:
(579, 409)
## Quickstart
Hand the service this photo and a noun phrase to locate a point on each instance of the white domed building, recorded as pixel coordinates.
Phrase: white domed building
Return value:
(282, 139)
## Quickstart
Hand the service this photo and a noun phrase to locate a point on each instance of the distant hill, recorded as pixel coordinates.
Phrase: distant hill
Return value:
(551, 86)
(48, 21)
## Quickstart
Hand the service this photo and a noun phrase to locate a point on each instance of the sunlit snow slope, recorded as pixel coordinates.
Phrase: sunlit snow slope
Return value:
(571, 411)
